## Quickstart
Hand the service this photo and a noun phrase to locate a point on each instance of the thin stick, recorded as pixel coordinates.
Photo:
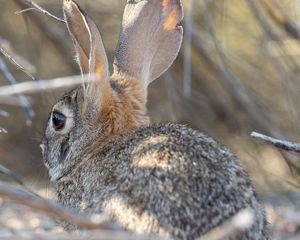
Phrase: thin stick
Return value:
(242, 221)
(11, 101)
(28, 111)
(3, 130)
(282, 144)
(188, 23)
(42, 10)
(234, 88)
(15, 63)
(7, 172)
(55, 35)
(41, 85)
(24, 10)
(281, 19)
(53, 210)
(90, 235)
(10, 52)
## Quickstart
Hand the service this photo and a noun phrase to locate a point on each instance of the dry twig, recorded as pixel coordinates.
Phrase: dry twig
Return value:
(40, 85)
(188, 24)
(282, 144)
(11, 101)
(24, 102)
(39, 8)
(53, 210)
(231, 85)
(3, 130)
(55, 35)
(14, 62)
(20, 62)
(7, 172)
(90, 235)
(276, 13)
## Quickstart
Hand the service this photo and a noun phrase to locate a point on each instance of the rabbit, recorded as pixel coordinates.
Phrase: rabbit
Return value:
(104, 156)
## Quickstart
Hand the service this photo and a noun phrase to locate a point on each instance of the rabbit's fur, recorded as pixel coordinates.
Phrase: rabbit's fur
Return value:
(105, 157)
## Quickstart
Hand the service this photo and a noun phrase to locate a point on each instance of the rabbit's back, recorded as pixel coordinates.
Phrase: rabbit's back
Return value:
(166, 179)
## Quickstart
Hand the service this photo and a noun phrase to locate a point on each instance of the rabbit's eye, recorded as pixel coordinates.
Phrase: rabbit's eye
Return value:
(58, 120)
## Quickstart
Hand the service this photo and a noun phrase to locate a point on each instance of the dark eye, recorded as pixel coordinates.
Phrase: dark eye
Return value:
(58, 120)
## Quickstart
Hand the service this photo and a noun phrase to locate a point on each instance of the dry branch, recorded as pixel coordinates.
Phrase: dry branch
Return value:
(55, 35)
(3, 130)
(20, 62)
(282, 144)
(24, 102)
(14, 62)
(40, 85)
(7, 172)
(278, 16)
(91, 235)
(188, 26)
(231, 85)
(53, 210)
(230, 81)
(42, 10)
(242, 221)
(11, 101)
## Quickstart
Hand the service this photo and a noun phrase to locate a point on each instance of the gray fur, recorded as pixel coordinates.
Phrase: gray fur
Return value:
(166, 179)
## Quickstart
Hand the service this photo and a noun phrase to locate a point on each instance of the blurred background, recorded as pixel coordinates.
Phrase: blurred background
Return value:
(237, 72)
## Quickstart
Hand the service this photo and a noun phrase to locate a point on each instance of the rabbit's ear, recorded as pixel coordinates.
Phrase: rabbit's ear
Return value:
(150, 38)
(89, 48)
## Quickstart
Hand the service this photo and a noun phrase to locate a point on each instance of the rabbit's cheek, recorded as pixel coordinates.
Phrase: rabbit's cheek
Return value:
(65, 149)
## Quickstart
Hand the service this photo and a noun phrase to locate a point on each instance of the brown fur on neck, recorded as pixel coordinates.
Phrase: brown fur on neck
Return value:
(125, 110)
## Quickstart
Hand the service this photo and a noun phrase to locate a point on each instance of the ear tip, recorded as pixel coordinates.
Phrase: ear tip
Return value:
(70, 10)
(173, 16)
(69, 6)
(67, 3)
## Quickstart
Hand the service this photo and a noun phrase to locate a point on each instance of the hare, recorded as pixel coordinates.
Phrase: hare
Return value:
(104, 156)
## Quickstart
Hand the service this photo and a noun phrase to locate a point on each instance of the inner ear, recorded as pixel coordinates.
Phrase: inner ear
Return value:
(150, 38)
